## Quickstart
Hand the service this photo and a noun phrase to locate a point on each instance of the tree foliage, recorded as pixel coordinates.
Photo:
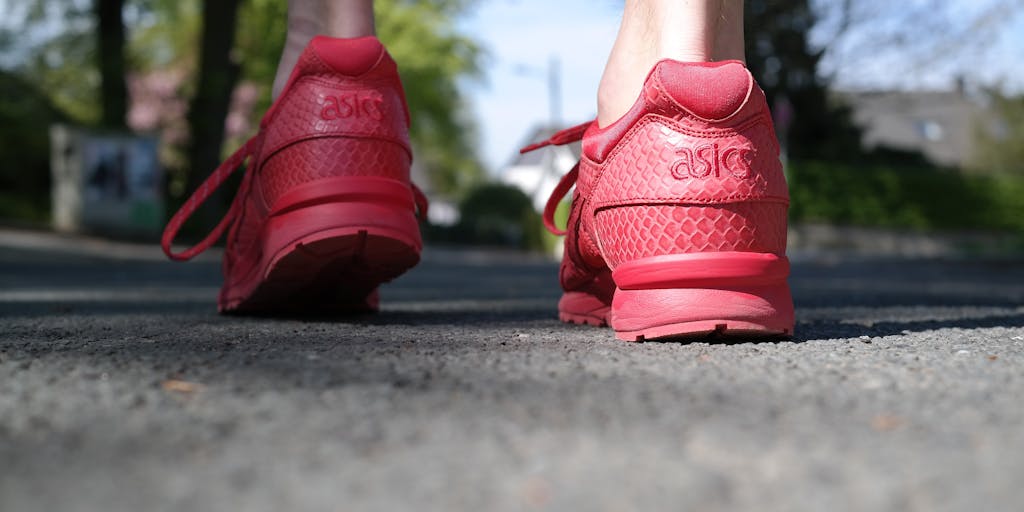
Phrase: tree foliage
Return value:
(432, 57)
(885, 44)
(216, 77)
(24, 148)
(52, 46)
(779, 54)
(799, 48)
(110, 58)
(500, 215)
(1000, 138)
(59, 63)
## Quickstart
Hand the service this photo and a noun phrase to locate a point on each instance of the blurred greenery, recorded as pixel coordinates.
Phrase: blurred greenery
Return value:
(162, 34)
(25, 118)
(780, 56)
(561, 219)
(920, 198)
(498, 215)
(61, 65)
(432, 56)
(421, 35)
(1000, 139)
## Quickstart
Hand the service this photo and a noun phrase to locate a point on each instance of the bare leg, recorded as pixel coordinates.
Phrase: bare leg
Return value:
(651, 30)
(309, 18)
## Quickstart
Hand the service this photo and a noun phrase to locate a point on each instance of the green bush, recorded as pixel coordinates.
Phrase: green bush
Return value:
(561, 219)
(919, 198)
(496, 215)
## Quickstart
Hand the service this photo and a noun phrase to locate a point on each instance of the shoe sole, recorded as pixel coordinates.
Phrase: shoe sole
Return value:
(329, 273)
(735, 311)
(330, 257)
(746, 316)
(723, 294)
(584, 309)
(721, 329)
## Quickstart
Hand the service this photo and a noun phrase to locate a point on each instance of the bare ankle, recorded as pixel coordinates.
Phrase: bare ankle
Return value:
(652, 30)
(310, 18)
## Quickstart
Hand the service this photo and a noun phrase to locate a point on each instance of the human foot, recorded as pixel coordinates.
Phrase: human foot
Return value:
(326, 211)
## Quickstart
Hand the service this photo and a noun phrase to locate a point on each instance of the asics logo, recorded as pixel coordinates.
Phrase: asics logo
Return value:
(708, 160)
(356, 104)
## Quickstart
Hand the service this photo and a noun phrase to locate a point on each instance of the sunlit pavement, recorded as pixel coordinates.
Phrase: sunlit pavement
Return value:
(122, 389)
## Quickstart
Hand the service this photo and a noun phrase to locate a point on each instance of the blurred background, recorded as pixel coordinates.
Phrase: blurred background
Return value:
(900, 120)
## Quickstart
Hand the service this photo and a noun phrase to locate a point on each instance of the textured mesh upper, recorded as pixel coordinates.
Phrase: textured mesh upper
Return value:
(326, 124)
(666, 179)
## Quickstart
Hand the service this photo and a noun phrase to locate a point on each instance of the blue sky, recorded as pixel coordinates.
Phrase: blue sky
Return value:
(527, 33)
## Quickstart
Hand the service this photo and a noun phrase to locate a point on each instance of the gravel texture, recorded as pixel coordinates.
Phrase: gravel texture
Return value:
(122, 389)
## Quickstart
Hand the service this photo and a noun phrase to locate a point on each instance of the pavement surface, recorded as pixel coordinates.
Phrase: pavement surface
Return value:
(122, 389)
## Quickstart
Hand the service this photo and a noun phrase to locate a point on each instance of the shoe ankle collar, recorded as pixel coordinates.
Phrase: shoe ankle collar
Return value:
(352, 57)
(712, 91)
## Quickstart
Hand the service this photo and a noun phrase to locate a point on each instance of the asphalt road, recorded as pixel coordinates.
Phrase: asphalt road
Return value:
(122, 389)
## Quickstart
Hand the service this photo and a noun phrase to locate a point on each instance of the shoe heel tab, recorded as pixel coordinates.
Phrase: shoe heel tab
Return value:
(710, 90)
(351, 57)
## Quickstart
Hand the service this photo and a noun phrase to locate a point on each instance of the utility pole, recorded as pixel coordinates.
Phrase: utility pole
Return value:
(555, 92)
(110, 53)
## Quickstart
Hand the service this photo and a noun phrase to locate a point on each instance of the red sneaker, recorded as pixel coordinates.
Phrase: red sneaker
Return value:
(325, 212)
(678, 222)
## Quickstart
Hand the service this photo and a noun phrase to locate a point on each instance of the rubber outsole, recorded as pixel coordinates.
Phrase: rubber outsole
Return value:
(584, 309)
(333, 271)
(721, 329)
(717, 328)
(686, 313)
(570, 318)
(738, 311)
(326, 246)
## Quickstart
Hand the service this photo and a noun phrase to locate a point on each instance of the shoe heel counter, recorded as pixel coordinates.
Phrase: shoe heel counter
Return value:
(321, 159)
(329, 126)
(719, 100)
(687, 184)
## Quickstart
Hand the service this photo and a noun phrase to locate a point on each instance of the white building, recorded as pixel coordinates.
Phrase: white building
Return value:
(537, 173)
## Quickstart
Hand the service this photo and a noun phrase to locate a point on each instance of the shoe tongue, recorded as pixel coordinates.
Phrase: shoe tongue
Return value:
(350, 57)
(710, 90)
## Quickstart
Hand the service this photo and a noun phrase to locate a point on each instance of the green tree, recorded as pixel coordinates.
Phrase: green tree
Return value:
(498, 214)
(25, 117)
(111, 62)
(432, 57)
(780, 56)
(60, 64)
(65, 66)
(216, 78)
(83, 66)
(1000, 136)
